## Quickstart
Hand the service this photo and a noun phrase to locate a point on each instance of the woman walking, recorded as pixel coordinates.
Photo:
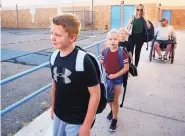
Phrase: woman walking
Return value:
(136, 39)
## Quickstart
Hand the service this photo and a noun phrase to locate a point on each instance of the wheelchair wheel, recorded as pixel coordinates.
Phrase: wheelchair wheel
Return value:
(151, 51)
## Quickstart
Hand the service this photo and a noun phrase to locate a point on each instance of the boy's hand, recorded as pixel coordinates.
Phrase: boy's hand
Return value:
(52, 113)
(84, 131)
(112, 76)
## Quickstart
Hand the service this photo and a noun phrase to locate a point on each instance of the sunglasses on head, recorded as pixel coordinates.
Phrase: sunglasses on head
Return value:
(140, 10)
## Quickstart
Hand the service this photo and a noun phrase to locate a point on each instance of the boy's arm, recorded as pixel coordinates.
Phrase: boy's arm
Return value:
(102, 58)
(123, 71)
(93, 105)
(91, 81)
(91, 112)
(52, 98)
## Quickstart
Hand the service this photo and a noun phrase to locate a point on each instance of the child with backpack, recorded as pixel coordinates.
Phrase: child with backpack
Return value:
(115, 62)
(75, 84)
(125, 44)
(126, 47)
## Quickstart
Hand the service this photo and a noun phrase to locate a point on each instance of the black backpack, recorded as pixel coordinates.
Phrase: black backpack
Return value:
(148, 33)
(99, 70)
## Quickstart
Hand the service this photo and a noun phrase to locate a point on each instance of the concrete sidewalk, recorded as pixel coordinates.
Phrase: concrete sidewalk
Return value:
(134, 120)
(154, 103)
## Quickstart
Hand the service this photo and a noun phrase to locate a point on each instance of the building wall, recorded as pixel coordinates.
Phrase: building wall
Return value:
(8, 18)
(102, 15)
(178, 18)
(151, 12)
(42, 18)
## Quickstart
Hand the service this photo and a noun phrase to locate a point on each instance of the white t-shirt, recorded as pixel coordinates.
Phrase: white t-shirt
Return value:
(163, 33)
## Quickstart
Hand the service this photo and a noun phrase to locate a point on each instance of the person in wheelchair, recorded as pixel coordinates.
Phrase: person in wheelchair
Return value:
(164, 35)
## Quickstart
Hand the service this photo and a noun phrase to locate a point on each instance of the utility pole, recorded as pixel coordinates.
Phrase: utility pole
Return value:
(159, 11)
(122, 13)
(17, 17)
(73, 7)
(92, 14)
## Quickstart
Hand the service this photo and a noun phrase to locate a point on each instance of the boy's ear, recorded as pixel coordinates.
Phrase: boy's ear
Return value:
(73, 38)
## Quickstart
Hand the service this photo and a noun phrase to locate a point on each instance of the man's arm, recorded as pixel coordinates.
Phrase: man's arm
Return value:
(52, 98)
(174, 34)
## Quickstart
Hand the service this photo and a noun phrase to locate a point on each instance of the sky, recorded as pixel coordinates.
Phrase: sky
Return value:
(7, 3)
(37, 2)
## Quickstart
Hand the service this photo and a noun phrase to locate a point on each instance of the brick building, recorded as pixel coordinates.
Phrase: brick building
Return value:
(107, 13)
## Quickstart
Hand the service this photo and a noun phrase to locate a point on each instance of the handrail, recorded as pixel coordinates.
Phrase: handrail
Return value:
(9, 79)
(25, 99)
(94, 44)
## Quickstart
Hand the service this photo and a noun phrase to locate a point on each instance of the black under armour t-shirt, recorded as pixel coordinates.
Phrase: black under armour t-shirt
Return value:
(71, 94)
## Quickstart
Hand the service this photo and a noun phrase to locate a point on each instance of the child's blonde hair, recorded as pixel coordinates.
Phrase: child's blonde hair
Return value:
(123, 30)
(70, 22)
(111, 32)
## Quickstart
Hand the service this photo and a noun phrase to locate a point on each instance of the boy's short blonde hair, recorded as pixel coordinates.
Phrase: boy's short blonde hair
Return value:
(111, 32)
(123, 30)
(70, 22)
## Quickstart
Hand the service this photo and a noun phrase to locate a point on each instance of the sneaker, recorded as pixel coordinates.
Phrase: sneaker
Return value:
(109, 117)
(113, 125)
(165, 57)
(160, 57)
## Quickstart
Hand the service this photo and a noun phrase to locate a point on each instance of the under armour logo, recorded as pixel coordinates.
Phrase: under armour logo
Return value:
(64, 75)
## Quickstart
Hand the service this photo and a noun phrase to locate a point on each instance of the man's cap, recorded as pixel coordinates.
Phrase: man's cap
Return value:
(163, 19)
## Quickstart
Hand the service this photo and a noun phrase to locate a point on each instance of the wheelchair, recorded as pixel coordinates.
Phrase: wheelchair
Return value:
(172, 52)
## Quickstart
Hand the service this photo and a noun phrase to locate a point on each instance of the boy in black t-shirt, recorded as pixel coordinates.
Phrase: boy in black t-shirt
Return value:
(75, 93)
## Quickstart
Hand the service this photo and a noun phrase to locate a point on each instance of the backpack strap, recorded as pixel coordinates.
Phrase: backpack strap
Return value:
(80, 60)
(120, 55)
(105, 52)
(53, 57)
